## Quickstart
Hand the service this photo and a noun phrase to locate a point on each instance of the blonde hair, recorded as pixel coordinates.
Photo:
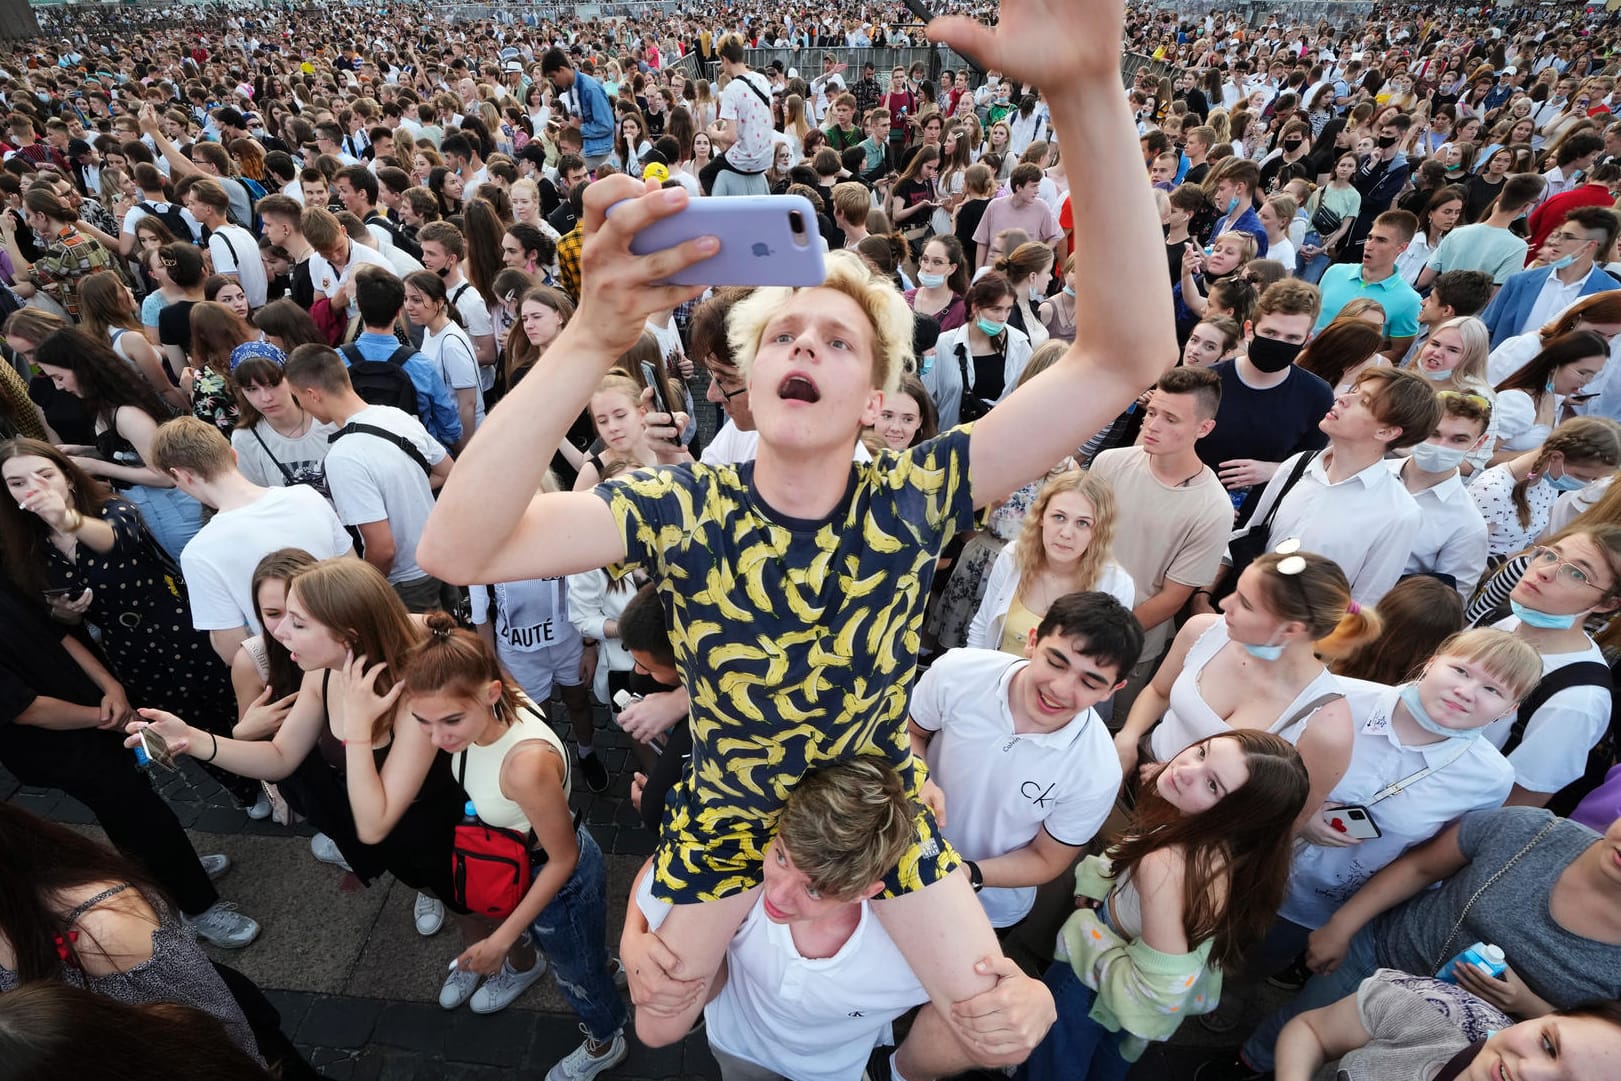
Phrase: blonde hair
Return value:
(1470, 374)
(886, 311)
(1319, 596)
(845, 826)
(1507, 656)
(1043, 357)
(1030, 554)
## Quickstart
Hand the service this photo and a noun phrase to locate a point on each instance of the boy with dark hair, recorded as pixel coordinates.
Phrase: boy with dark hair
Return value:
(1020, 771)
(1451, 539)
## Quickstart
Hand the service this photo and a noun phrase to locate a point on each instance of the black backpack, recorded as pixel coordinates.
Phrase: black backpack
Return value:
(173, 218)
(383, 382)
(1603, 754)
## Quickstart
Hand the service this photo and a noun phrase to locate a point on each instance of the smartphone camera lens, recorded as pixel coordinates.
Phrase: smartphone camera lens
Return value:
(1356, 816)
(796, 222)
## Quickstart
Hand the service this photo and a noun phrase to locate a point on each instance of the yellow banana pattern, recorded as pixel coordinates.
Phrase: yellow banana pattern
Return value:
(797, 640)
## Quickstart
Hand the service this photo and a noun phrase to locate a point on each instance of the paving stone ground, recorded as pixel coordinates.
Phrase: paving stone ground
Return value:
(357, 987)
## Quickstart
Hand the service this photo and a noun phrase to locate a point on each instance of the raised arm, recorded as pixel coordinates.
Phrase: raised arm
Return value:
(1123, 310)
(489, 524)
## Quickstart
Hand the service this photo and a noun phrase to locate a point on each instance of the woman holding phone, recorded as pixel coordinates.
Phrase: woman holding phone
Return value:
(87, 552)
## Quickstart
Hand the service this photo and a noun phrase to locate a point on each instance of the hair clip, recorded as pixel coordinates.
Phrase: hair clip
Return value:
(441, 634)
(1292, 563)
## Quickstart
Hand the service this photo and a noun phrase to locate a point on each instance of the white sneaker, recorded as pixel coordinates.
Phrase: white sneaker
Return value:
(223, 926)
(215, 865)
(582, 1065)
(261, 807)
(503, 988)
(459, 987)
(429, 914)
(326, 850)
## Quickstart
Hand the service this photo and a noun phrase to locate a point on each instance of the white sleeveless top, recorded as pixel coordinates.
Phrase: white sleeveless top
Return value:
(1190, 718)
(483, 768)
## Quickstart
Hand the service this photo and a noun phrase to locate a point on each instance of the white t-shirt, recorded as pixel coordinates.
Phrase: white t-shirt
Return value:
(327, 281)
(236, 252)
(372, 479)
(219, 561)
(732, 445)
(259, 449)
(1557, 739)
(476, 321)
(811, 1019)
(1003, 787)
(452, 350)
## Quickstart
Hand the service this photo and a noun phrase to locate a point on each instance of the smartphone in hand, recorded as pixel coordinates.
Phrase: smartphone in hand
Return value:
(765, 240)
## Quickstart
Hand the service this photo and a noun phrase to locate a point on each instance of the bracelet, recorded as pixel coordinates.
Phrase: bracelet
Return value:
(77, 522)
(216, 753)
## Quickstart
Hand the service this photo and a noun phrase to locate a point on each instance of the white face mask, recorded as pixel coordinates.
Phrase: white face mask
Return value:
(1434, 458)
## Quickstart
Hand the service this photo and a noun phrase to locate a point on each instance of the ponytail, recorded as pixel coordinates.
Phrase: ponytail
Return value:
(452, 660)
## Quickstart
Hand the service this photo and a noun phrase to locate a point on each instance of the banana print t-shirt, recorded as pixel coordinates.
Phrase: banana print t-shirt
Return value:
(797, 641)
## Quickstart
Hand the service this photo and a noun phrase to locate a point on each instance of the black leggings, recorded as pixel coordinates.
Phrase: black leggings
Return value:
(93, 767)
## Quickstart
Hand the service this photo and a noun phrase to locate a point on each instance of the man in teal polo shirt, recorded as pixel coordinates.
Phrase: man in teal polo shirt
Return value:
(1376, 278)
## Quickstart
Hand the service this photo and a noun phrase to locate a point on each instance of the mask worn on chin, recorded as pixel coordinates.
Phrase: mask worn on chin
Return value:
(1069, 291)
(1546, 621)
(1434, 458)
(1292, 144)
(1385, 142)
(1232, 205)
(1566, 483)
(1263, 653)
(930, 281)
(1037, 293)
(1415, 708)
(989, 328)
(1562, 262)
(1272, 355)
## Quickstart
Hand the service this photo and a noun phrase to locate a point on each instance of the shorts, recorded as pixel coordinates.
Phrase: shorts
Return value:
(537, 671)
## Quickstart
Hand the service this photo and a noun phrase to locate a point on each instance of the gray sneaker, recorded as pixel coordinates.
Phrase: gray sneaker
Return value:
(326, 850)
(502, 989)
(428, 913)
(458, 987)
(215, 865)
(589, 1059)
(261, 807)
(223, 926)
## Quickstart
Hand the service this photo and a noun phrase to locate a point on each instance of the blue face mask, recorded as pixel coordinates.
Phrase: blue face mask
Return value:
(1541, 620)
(1068, 291)
(988, 328)
(1263, 653)
(1562, 262)
(1232, 204)
(1566, 483)
(1410, 699)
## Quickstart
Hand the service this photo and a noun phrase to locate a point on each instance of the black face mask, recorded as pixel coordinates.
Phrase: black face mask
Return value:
(1292, 144)
(1272, 355)
(1385, 142)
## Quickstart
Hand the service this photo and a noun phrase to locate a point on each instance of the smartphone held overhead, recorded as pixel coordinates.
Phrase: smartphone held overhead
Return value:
(764, 240)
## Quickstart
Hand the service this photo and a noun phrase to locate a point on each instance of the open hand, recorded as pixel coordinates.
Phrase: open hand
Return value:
(353, 696)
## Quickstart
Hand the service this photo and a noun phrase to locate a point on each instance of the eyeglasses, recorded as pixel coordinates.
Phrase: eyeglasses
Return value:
(1567, 571)
(1567, 238)
(728, 395)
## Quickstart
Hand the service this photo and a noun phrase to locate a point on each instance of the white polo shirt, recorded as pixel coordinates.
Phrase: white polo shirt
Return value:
(1451, 533)
(811, 1019)
(1465, 778)
(1003, 787)
(1557, 740)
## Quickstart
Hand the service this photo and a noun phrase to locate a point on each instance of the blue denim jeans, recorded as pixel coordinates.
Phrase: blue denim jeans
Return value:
(172, 515)
(1076, 1048)
(1311, 270)
(1320, 990)
(573, 933)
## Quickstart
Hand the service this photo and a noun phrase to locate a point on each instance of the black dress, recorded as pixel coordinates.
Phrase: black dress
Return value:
(139, 601)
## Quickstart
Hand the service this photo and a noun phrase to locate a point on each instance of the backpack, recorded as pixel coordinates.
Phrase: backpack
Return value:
(173, 218)
(383, 382)
(1603, 754)
(256, 191)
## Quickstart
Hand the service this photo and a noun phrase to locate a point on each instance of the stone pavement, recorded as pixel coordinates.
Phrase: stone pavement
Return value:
(357, 987)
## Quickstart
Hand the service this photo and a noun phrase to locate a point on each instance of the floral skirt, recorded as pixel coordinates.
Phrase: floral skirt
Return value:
(954, 607)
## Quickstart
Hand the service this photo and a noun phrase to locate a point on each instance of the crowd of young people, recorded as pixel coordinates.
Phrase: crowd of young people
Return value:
(1180, 623)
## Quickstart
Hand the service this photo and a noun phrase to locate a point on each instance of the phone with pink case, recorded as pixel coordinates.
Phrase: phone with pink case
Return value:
(764, 240)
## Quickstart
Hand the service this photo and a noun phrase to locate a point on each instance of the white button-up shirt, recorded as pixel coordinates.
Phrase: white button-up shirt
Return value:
(1451, 534)
(1554, 298)
(1366, 523)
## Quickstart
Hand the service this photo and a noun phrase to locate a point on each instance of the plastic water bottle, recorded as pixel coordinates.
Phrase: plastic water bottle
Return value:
(1484, 956)
(469, 814)
(142, 759)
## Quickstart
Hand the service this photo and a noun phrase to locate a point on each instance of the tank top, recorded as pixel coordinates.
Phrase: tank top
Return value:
(1016, 627)
(1190, 718)
(482, 779)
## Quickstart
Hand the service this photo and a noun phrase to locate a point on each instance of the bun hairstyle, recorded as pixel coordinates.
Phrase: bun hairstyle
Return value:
(1306, 588)
(455, 661)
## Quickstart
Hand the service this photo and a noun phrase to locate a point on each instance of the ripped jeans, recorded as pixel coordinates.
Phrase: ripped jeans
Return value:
(573, 933)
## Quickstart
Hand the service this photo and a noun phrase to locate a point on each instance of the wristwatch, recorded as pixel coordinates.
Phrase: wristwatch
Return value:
(975, 878)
